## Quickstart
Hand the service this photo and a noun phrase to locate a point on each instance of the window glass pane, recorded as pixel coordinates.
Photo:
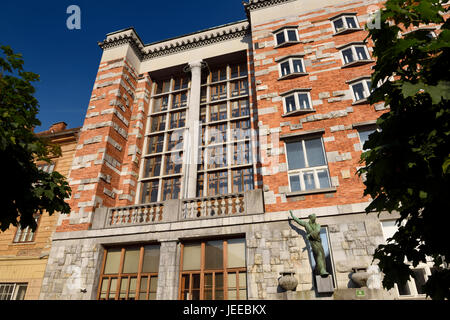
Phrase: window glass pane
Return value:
(292, 35)
(152, 166)
(132, 289)
(314, 152)
(361, 53)
(191, 257)
(153, 284)
(123, 288)
(232, 294)
(214, 255)
(304, 101)
(295, 155)
(364, 136)
(338, 24)
(236, 253)
(112, 289)
(420, 280)
(323, 178)
(242, 294)
(308, 177)
(151, 259)
(131, 261)
(143, 288)
(348, 55)
(403, 290)
(104, 288)
(150, 191)
(280, 37)
(290, 103)
(369, 85)
(298, 66)
(21, 290)
(358, 90)
(155, 144)
(351, 22)
(285, 68)
(242, 280)
(389, 229)
(231, 280)
(112, 261)
(219, 286)
(295, 183)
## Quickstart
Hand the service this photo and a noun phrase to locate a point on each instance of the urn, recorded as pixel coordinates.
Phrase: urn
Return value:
(287, 281)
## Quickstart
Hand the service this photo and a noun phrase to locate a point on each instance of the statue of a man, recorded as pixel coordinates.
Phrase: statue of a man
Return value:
(313, 234)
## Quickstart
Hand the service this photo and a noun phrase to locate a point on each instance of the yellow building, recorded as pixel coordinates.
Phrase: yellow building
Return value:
(23, 253)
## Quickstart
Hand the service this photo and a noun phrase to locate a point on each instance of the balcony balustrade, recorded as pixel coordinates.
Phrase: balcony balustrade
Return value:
(249, 202)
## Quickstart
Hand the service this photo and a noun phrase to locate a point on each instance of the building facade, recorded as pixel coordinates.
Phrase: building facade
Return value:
(24, 253)
(194, 150)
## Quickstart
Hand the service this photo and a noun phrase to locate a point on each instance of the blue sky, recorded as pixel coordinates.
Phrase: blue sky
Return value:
(67, 60)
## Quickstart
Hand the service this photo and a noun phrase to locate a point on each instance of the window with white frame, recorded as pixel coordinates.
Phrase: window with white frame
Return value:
(291, 66)
(363, 134)
(361, 89)
(24, 235)
(345, 22)
(47, 167)
(13, 291)
(286, 35)
(307, 166)
(298, 100)
(354, 53)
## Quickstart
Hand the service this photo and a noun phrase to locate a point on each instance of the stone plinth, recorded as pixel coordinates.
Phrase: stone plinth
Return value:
(324, 284)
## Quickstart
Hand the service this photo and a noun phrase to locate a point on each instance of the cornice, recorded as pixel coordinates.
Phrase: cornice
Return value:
(259, 4)
(175, 45)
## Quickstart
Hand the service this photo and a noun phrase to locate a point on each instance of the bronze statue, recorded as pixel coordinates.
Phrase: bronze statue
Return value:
(313, 235)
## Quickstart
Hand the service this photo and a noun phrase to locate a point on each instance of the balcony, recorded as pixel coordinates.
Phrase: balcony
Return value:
(236, 204)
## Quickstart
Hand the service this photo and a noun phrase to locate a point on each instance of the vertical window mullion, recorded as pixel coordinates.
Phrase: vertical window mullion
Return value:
(316, 179)
(202, 271)
(225, 269)
(291, 66)
(138, 280)
(305, 154)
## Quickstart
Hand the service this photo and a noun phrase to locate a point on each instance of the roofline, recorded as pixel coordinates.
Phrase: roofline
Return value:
(45, 134)
(176, 37)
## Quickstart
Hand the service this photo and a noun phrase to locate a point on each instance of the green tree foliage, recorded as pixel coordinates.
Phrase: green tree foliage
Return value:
(25, 190)
(408, 165)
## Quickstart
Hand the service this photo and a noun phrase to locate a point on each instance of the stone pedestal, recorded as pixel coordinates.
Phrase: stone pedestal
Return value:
(324, 284)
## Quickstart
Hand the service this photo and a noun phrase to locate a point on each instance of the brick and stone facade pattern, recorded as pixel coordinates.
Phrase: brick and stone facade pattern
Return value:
(331, 98)
(105, 168)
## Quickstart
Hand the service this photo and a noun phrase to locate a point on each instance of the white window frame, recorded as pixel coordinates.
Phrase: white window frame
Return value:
(301, 172)
(366, 128)
(15, 291)
(297, 101)
(291, 66)
(344, 20)
(367, 91)
(286, 38)
(354, 55)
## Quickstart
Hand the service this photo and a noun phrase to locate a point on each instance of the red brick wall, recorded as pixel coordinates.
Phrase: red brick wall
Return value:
(331, 78)
(112, 140)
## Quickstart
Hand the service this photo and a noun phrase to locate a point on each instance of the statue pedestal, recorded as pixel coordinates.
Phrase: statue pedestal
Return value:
(324, 285)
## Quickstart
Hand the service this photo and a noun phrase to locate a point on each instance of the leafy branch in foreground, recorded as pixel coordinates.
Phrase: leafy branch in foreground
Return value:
(26, 191)
(408, 165)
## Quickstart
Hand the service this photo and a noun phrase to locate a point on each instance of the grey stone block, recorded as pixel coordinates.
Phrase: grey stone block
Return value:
(324, 284)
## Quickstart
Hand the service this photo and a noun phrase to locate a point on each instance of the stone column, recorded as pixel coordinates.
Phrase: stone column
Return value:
(193, 129)
(168, 273)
